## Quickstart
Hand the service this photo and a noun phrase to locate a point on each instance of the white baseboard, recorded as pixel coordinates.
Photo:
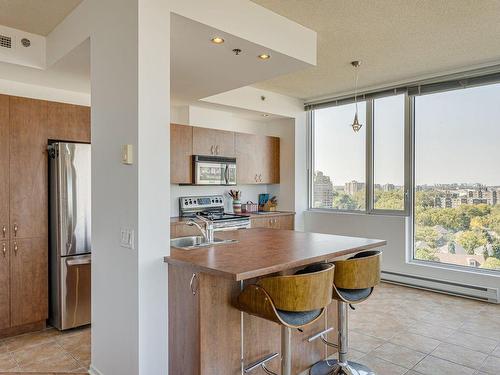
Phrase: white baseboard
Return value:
(94, 371)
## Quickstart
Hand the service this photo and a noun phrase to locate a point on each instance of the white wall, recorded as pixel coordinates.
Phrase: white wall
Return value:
(227, 120)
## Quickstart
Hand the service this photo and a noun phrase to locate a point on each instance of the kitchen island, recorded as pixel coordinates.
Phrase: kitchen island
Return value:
(207, 334)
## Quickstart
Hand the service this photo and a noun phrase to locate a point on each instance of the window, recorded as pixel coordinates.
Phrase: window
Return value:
(389, 153)
(457, 177)
(365, 170)
(339, 159)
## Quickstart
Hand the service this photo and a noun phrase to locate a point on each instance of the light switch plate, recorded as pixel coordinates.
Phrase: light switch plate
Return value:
(127, 238)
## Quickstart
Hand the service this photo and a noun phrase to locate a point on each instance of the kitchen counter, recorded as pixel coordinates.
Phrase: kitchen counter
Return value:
(260, 252)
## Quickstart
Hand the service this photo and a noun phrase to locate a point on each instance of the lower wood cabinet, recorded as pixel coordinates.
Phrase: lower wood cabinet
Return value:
(4, 285)
(28, 280)
(273, 222)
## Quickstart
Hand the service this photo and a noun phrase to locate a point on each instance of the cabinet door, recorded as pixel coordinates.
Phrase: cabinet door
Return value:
(28, 168)
(261, 222)
(213, 142)
(181, 151)
(4, 285)
(270, 168)
(68, 122)
(286, 222)
(4, 168)
(248, 158)
(29, 280)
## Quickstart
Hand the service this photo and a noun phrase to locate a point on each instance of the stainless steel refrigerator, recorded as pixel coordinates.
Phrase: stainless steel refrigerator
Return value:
(70, 242)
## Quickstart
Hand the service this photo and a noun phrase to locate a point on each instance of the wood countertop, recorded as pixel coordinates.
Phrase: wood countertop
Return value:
(261, 251)
(180, 220)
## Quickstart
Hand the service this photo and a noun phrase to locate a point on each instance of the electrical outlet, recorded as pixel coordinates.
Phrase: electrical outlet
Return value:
(127, 238)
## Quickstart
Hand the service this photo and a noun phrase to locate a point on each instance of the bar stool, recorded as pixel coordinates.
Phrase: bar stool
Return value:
(292, 301)
(355, 279)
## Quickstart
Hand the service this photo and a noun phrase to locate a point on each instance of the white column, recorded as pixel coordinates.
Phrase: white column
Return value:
(130, 74)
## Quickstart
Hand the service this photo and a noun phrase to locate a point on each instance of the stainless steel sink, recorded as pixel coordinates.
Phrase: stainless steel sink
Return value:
(195, 242)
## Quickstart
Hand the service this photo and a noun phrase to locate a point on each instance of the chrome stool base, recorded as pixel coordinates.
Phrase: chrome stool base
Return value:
(333, 367)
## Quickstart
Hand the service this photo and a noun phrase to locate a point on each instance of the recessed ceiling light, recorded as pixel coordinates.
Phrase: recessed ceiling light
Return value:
(264, 56)
(217, 40)
(265, 115)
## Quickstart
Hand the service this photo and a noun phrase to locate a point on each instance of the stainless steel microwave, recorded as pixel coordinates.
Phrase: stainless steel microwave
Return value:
(214, 170)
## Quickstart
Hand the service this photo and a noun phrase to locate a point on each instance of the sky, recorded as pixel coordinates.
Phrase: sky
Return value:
(457, 139)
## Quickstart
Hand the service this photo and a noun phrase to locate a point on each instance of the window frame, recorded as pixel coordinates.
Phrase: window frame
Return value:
(369, 162)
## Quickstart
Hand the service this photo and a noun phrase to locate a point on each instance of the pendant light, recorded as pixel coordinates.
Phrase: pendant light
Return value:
(356, 126)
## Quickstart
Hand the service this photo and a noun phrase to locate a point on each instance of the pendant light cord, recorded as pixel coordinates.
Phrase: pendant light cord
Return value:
(356, 87)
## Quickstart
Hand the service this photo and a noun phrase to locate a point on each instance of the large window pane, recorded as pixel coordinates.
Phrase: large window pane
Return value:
(388, 153)
(457, 173)
(339, 158)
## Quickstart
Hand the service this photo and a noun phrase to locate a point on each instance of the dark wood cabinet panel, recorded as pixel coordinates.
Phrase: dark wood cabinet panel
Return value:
(29, 280)
(4, 285)
(28, 168)
(214, 142)
(68, 122)
(4, 168)
(181, 151)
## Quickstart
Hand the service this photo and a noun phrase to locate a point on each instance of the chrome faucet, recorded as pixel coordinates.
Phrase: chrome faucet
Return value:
(208, 231)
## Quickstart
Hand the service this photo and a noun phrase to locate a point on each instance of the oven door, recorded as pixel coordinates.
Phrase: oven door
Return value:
(210, 173)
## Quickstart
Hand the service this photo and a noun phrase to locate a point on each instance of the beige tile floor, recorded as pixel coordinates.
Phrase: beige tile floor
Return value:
(47, 352)
(398, 331)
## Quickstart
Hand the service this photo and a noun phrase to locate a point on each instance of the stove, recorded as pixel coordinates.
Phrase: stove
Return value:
(212, 207)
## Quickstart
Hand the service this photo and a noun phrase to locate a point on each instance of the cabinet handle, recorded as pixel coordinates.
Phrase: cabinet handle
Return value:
(192, 284)
(217, 149)
(212, 149)
(16, 228)
(260, 178)
(15, 248)
(256, 178)
(4, 249)
(4, 231)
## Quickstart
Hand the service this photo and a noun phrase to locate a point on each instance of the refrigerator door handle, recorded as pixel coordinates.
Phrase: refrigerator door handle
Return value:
(80, 261)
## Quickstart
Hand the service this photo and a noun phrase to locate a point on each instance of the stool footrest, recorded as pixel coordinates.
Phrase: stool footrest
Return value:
(322, 335)
(261, 363)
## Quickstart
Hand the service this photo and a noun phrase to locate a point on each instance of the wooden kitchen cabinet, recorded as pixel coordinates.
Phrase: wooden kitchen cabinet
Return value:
(4, 169)
(258, 159)
(68, 122)
(273, 222)
(4, 285)
(28, 168)
(213, 142)
(29, 280)
(181, 151)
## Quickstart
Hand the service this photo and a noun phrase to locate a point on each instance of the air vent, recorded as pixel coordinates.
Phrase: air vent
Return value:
(5, 41)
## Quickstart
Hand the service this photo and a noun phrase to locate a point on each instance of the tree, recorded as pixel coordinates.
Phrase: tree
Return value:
(451, 247)
(470, 240)
(491, 263)
(344, 202)
(389, 200)
(425, 253)
(428, 235)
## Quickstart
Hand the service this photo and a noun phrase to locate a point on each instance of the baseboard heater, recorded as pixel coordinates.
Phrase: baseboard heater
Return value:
(443, 286)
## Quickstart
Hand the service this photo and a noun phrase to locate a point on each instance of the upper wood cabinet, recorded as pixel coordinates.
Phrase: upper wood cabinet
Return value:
(4, 169)
(28, 168)
(68, 122)
(258, 159)
(213, 142)
(181, 151)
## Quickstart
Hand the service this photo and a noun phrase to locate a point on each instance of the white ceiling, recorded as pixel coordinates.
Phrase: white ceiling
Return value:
(200, 68)
(35, 16)
(396, 40)
(72, 72)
